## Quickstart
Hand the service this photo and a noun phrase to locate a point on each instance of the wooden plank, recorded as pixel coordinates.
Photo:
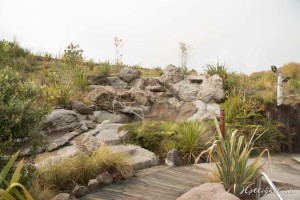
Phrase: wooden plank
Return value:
(153, 184)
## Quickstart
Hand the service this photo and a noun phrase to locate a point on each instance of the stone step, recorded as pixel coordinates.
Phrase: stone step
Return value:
(109, 137)
(128, 148)
(139, 157)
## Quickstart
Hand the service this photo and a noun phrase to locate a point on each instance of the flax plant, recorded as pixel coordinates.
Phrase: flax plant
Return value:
(231, 155)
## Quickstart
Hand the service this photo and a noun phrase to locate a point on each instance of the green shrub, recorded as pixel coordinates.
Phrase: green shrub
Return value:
(81, 79)
(58, 94)
(20, 109)
(231, 156)
(91, 64)
(80, 169)
(73, 55)
(156, 136)
(105, 68)
(245, 113)
(10, 50)
(218, 68)
(194, 137)
(12, 189)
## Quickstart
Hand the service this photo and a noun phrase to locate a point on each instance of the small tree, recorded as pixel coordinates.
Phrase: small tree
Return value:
(118, 44)
(184, 56)
(73, 55)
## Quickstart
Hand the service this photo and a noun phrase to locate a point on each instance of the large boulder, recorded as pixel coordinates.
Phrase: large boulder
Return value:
(172, 74)
(189, 88)
(103, 97)
(61, 120)
(128, 74)
(81, 107)
(212, 90)
(98, 80)
(208, 191)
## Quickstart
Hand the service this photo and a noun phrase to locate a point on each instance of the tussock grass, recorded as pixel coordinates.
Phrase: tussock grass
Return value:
(81, 168)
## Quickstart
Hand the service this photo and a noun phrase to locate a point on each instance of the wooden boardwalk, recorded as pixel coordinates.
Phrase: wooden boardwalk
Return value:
(157, 183)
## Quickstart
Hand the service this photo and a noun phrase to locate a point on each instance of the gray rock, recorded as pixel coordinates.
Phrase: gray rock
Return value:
(173, 158)
(186, 90)
(205, 111)
(103, 97)
(61, 120)
(87, 143)
(172, 74)
(80, 191)
(174, 102)
(141, 96)
(98, 80)
(118, 117)
(93, 184)
(105, 178)
(212, 90)
(208, 191)
(124, 136)
(116, 82)
(57, 143)
(81, 107)
(128, 74)
(62, 196)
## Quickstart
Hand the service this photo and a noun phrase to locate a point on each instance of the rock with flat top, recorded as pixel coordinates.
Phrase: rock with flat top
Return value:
(208, 191)
(62, 196)
(128, 74)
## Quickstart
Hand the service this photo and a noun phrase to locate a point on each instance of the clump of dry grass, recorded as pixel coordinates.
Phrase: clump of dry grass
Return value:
(81, 168)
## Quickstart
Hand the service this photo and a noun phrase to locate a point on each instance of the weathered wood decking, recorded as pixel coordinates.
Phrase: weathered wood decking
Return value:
(157, 183)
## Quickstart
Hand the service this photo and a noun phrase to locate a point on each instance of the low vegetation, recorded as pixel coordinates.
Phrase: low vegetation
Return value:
(190, 138)
(81, 168)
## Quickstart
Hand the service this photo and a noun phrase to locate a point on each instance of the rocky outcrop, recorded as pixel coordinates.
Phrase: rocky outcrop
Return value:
(98, 80)
(211, 91)
(172, 74)
(81, 108)
(205, 111)
(128, 74)
(208, 191)
(171, 110)
(61, 120)
(103, 97)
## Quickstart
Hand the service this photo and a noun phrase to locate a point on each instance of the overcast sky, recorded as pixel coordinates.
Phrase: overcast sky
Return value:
(247, 35)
